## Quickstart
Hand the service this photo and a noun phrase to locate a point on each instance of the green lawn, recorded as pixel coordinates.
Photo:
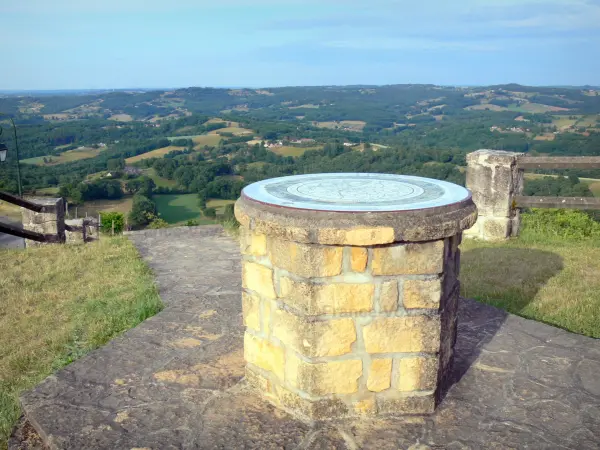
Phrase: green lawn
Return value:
(178, 209)
(60, 302)
(68, 156)
(158, 180)
(288, 150)
(539, 276)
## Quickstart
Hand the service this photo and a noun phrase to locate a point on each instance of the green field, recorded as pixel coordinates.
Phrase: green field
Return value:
(287, 150)
(58, 303)
(158, 153)
(541, 275)
(158, 180)
(178, 209)
(92, 208)
(69, 156)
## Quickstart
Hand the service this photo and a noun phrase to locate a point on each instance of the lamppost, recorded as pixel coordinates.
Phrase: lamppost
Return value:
(4, 149)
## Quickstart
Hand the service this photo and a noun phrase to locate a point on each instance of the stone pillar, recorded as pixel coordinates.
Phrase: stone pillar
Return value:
(494, 181)
(79, 231)
(51, 221)
(350, 314)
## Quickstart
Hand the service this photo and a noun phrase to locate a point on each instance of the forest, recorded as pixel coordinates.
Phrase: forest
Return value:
(411, 129)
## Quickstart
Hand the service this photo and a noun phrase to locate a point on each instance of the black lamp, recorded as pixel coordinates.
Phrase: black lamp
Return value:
(3, 150)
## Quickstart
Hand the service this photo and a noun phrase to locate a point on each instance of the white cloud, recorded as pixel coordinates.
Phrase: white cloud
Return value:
(411, 44)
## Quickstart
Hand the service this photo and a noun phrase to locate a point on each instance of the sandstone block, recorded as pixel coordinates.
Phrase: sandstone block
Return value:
(323, 338)
(356, 236)
(333, 377)
(251, 310)
(422, 293)
(409, 259)
(366, 407)
(417, 374)
(305, 260)
(258, 278)
(358, 259)
(325, 408)
(257, 381)
(414, 404)
(380, 375)
(252, 243)
(402, 334)
(332, 298)
(264, 354)
(388, 300)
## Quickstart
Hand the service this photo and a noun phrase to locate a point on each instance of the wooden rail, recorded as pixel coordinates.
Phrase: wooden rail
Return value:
(25, 203)
(557, 202)
(559, 162)
(27, 234)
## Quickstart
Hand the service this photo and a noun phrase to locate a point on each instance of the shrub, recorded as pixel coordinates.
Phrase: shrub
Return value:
(192, 223)
(560, 223)
(210, 212)
(107, 220)
(141, 211)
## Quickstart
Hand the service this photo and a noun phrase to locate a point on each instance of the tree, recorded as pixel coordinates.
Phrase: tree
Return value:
(210, 213)
(115, 164)
(142, 211)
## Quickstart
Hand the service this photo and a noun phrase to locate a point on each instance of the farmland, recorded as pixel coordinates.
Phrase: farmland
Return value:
(234, 130)
(349, 125)
(68, 156)
(121, 118)
(92, 208)
(158, 153)
(287, 150)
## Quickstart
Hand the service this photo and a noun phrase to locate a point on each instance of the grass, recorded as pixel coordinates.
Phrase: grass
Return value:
(92, 208)
(158, 180)
(563, 122)
(60, 302)
(538, 276)
(292, 151)
(68, 156)
(219, 204)
(121, 117)
(158, 153)
(11, 211)
(178, 209)
(206, 139)
(234, 130)
(354, 125)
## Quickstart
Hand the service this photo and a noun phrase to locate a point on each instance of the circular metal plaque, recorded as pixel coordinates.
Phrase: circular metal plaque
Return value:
(355, 192)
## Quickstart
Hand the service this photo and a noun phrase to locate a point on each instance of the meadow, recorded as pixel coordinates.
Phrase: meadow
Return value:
(59, 303)
(287, 150)
(158, 153)
(68, 156)
(178, 209)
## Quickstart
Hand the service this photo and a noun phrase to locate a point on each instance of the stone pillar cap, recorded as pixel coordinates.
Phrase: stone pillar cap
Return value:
(356, 208)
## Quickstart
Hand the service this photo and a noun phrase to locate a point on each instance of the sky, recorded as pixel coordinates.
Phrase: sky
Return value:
(97, 44)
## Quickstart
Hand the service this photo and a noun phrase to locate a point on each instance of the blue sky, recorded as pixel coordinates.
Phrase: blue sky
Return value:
(80, 44)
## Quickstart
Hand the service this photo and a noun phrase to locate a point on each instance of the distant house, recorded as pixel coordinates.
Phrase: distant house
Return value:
(130, 170)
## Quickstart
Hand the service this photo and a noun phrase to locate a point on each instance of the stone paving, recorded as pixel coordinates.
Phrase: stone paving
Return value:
(176, 381)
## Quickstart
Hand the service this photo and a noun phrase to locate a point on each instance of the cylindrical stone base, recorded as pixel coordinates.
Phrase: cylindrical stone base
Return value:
(355, 321)
(344, 330)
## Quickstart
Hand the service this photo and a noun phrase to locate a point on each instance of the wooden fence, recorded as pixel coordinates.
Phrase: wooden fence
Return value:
(28, 234)
(557, 162)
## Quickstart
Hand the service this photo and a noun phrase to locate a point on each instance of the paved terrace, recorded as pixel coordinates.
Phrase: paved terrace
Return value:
(176, 381)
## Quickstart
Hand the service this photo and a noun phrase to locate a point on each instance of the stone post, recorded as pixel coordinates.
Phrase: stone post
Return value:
(494, 181)
(52, 221)
(350, 313)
